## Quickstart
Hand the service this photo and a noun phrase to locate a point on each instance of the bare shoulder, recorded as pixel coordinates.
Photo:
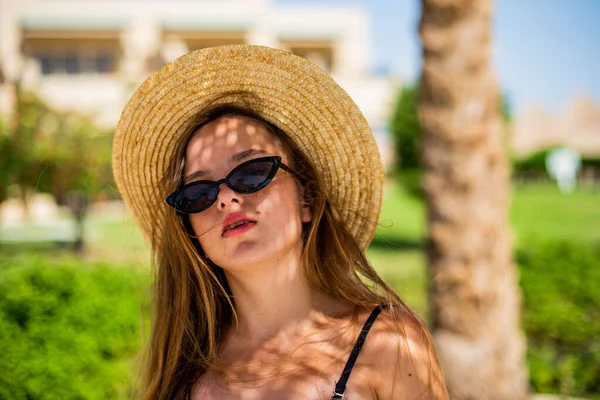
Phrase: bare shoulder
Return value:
(400, 349)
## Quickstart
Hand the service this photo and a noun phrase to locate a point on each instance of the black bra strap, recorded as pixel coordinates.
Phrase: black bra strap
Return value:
(340, 386)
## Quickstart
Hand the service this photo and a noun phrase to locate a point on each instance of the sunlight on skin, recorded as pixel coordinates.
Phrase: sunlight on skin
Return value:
(403, 362)
(276, 205)
(258, 262)
(294, 363)
(266, 256)
(291, 342)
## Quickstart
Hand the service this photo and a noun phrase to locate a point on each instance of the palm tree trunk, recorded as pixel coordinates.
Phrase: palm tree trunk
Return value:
(474, 297)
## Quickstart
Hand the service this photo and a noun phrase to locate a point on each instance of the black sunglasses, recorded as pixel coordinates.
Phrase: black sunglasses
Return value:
(248, 177)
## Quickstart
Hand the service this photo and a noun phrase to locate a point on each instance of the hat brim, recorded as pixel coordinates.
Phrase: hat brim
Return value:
(287, 91)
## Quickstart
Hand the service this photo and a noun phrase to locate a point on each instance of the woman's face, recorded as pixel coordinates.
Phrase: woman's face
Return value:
(273, 215)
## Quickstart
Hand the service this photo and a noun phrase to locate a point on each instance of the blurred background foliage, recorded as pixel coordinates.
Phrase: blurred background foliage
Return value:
(406, 131)
(70, 327)
(68, 330)
(559, 281)
(60, 153)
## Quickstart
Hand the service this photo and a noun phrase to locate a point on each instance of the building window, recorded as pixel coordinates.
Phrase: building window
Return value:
(104, 63)
(72, 62)
(46, 63)
(74, 56)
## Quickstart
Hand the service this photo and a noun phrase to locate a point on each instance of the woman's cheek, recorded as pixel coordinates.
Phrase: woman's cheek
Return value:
(205, 229)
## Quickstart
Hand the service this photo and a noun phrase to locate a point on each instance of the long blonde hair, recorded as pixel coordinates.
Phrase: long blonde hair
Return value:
(193, 308)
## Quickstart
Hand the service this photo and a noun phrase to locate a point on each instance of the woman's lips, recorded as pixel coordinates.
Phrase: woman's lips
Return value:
(236, 224)
(238, 230)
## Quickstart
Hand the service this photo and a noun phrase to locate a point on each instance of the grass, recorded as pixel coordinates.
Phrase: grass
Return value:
(405, 272)
(537, 211)
(118, 240)
(540, 210)
(402, 219)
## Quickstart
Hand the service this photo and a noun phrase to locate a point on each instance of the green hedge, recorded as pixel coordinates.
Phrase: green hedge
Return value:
(560, 282)
(534, 164)
(68, 330)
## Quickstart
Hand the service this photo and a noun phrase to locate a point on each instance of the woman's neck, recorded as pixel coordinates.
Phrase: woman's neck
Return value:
(274, 296)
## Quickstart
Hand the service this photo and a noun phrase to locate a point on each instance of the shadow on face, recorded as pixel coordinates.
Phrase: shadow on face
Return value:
(276, 211)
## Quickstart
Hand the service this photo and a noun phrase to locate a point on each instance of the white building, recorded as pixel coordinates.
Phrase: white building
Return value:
(90, 55)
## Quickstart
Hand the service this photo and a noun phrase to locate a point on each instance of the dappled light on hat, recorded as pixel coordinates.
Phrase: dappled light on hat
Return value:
(286, 91)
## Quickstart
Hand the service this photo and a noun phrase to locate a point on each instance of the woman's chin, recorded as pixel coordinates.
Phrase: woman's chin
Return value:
(254, 253)
(243, 255)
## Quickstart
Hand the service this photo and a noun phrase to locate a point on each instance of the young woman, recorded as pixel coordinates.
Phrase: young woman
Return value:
(258, 184)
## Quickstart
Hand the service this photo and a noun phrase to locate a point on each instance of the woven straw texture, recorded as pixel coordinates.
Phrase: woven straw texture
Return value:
(287, 91)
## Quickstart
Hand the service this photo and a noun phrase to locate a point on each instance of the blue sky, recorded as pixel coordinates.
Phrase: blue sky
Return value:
(545, 51)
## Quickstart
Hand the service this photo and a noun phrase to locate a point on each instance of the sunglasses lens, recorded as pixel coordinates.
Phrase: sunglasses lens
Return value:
(252, 177)
(247, 178)
(196, 197)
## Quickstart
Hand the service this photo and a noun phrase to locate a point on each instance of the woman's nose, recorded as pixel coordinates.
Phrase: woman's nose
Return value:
(227, 198)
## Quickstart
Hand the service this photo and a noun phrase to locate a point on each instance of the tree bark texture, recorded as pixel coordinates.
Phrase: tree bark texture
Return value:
(474, 296)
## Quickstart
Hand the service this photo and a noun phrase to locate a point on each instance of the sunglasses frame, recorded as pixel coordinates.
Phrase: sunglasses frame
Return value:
(276, 164)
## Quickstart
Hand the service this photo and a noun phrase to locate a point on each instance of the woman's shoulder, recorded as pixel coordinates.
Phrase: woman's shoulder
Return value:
(400, 348)
(396, 330)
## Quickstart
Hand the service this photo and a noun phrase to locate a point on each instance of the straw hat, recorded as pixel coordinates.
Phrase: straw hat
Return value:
(287, 91)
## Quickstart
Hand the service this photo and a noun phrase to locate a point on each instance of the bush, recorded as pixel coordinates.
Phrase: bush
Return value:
(68, 330)
(561, 316)
(406, 131)
(534, 164)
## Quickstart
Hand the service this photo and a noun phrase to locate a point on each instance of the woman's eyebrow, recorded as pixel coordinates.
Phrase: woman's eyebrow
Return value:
(245, 154)
(234, 158)
(194, 175)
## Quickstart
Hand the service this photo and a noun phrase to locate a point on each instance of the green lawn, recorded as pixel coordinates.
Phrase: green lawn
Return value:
(537, 211)
(541, 211)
